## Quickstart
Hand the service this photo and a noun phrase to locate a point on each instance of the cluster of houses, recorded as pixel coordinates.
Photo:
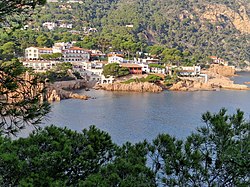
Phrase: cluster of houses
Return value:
(90, 68)
(62, 24)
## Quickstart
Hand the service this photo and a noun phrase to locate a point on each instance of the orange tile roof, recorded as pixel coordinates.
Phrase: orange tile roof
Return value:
(129, 65)
(76, 48)
(45, 48)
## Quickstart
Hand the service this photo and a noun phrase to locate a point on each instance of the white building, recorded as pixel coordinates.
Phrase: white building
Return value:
(75, 54)
(32, 53)
(66, 25)
(189, 70)
(115, 59)
(157, 70)
(60, 46)
(49, 25)
(145, 68)
(40, 65)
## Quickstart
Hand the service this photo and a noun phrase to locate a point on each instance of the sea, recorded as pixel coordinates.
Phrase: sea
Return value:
(134, 117)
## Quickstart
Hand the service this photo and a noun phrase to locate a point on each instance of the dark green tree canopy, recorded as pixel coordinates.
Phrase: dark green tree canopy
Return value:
(21, 92)
(11, 7)
(114, 69)
(21, 98)
(216, 155)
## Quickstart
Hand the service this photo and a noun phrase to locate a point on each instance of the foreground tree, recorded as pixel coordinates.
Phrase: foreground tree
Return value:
(21, 98)
(128, 169)
(54, 156)
(218, 155)
(21, 94)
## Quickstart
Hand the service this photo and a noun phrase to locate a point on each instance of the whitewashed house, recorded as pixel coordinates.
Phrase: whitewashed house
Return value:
(145, 68)
(75, 54)
(60, 46)
(49, 25)
(40, 65)
(189, 70)
(32, 53)
(115, 59)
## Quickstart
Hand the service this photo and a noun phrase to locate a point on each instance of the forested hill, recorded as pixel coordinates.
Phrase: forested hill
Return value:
(205, 27)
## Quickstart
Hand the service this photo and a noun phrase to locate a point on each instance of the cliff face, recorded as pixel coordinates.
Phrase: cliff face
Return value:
(221, 13)
(132, 87)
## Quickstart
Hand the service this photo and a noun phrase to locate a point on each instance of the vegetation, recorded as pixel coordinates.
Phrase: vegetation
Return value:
(217, 154)
(114, 69)
(52, 56)
(162, 28)
(60, 72)
(21, 92)
(150, 78)
(170, 80)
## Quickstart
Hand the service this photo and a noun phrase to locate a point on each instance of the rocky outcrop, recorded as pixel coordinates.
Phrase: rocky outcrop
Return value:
(227, 71)
(215, 82)
(70, 85)
(189, 85)
(56, 94)
(60, 90)
(132, 87)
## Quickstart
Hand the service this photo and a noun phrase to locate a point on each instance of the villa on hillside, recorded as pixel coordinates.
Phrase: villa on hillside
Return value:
(217, 60)
(133, 68)
(34, 53)
(40, 65)
(75, 54)
(189, 70)
(115, 59)
(69, 53)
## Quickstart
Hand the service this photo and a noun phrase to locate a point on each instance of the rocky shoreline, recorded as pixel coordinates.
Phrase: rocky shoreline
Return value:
(131, 87)
(61, 90)
(218, 78)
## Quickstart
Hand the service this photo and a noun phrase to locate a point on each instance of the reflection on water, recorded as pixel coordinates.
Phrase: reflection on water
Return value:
(138, 116)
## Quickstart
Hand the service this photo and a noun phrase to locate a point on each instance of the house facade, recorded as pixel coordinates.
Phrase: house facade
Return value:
(133, 68)
(115, 59)
(40, 65)
(34, 53)
(75, 54)
(189, 70)
(217, 60)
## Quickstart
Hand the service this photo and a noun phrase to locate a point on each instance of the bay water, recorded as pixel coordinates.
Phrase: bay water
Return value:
(134, 117)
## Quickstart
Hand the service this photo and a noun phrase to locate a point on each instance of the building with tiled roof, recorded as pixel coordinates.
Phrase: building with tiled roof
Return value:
(133, 68)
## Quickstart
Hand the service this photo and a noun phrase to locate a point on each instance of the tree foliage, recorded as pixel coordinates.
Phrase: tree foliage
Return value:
(21, 93)
(216, 155)
(21, 98)
(114, 69)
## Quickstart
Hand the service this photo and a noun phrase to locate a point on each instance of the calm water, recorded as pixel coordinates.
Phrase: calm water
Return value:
(137, 116)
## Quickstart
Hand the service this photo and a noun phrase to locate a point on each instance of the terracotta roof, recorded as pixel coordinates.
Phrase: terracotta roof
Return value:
(45, 48)
(129, 65)
(75, 48)
(119, 55)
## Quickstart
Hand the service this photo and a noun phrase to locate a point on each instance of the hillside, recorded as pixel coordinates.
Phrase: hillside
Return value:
(203, 27)
(212, 27)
